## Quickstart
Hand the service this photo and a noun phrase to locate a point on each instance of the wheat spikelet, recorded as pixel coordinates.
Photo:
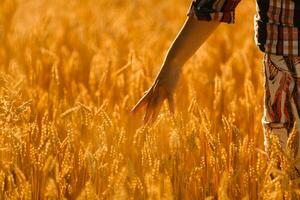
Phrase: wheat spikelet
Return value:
(88, 193)
(174, 142)
(51, 192)
(68, 76)
(167, 193)
(222, 191)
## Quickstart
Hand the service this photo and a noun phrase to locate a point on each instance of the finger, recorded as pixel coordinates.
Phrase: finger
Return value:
(140, 103)
(147, 114)
(171, 103)
(155, 104)
(156, 108)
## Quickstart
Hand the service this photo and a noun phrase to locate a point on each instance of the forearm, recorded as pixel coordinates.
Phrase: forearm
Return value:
(191, 36)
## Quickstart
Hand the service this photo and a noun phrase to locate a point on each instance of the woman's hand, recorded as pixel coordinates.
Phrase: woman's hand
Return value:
(191, 36)
(162, 88)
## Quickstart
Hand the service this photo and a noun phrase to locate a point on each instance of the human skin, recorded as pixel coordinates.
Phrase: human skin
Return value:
(188, 40)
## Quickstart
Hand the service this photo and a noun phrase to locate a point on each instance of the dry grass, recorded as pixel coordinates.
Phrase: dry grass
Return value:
(70, 71)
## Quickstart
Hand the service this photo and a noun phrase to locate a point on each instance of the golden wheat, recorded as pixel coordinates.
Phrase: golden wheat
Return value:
(70, 71)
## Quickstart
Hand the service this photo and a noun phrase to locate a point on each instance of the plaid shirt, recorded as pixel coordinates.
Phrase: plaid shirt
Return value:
(277, 22)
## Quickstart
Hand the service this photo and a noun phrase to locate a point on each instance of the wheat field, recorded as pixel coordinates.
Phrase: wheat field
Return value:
(70, 71)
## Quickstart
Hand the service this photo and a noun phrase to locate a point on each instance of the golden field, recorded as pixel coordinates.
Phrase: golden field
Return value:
(70, 71)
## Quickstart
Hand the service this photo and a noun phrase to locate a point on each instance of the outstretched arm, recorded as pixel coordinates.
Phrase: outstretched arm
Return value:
(200, 24)
(192, 35)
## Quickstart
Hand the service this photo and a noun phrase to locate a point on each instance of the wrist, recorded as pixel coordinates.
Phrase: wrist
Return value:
(168, 71)
(168, 77)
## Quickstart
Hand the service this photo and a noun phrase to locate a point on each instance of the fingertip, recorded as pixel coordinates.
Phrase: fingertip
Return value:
(147, 116)
(137, 107)
(171, 107)
(145, 122)
(172, 112)
(132, 112)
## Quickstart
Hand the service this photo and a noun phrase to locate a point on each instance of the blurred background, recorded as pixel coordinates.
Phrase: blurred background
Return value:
(70, 71)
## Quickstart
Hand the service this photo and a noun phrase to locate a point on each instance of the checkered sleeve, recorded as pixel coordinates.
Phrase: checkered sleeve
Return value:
(214, 10)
